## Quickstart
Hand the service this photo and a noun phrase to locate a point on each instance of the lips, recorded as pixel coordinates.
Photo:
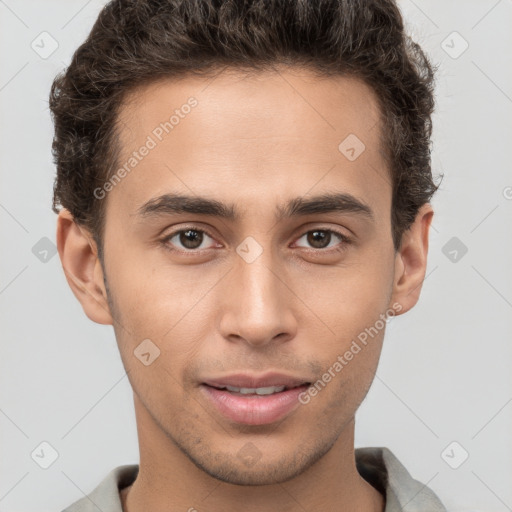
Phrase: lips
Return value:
(254, 400)
(244, 380)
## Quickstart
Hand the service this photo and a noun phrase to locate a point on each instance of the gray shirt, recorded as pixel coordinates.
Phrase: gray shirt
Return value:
(378, 466)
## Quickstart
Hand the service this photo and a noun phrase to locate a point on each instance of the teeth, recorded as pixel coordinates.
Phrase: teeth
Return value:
(258, 391)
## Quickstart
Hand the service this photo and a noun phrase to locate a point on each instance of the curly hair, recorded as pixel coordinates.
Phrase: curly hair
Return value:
(135, 42)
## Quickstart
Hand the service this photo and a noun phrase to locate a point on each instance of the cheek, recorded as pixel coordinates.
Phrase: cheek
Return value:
(344, 301)
(155, 297)
(166, 312)
(348, 304)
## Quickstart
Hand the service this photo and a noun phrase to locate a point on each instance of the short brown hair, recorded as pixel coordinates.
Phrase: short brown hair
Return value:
(134, 42)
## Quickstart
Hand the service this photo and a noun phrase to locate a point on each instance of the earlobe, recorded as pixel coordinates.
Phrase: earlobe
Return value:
(82, 268)
(411, 261)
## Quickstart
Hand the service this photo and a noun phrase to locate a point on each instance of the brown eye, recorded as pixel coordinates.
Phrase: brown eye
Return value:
(322, 239)
(319, 239)
(187, 240)
(191, 239)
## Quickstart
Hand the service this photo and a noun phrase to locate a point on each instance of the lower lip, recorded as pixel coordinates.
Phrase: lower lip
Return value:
(254, 409)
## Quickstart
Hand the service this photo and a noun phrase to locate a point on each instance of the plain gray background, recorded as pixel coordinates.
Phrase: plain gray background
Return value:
(443, 390)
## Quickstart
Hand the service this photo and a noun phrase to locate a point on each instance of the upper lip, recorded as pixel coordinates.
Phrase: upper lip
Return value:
(246, 380)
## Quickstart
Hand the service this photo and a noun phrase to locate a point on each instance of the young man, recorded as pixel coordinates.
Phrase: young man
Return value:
(245, 196)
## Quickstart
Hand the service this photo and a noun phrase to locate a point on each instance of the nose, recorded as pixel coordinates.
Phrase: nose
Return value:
(257, 304)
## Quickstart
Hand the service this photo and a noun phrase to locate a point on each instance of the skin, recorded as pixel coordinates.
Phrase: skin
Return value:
(253, 141)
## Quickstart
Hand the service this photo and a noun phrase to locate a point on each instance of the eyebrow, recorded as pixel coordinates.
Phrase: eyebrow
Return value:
(168, 204)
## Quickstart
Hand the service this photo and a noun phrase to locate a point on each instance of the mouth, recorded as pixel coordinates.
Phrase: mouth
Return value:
(254, 400)
(260, 391)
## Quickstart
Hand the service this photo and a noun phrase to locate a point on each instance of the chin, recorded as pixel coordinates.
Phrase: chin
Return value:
(241, 475)
(237, 469)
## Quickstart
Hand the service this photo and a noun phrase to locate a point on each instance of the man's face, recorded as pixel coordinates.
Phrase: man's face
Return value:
(260, 292)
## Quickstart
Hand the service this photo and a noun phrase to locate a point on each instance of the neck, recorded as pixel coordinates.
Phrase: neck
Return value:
(169, 481)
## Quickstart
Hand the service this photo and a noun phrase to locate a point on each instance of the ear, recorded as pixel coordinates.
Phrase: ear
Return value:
(79, 257)
(411, 261)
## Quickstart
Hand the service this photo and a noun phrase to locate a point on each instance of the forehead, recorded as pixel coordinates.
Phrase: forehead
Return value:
(271, 133)
(234, 103)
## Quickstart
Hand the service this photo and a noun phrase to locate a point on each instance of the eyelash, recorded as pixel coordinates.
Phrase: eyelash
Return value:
(345, 240)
